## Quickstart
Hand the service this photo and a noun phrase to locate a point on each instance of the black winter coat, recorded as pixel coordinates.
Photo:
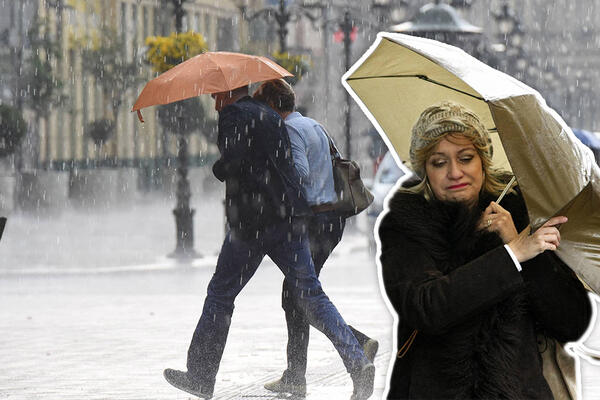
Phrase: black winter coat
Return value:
(477, 316)
(262, 184)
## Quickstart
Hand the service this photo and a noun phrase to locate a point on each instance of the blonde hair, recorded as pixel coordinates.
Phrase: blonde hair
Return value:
(452, 119)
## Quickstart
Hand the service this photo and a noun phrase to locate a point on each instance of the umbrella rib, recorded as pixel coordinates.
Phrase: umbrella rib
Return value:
(423, 77)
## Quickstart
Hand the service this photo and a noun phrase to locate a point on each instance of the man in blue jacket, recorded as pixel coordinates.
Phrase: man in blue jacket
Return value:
(266, 213)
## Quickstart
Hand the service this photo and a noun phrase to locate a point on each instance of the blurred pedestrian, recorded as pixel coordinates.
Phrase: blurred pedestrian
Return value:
(312, 159)
(266, 213)
(471, 293)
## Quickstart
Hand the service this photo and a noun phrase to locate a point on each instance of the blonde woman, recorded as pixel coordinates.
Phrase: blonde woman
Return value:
(471, 292)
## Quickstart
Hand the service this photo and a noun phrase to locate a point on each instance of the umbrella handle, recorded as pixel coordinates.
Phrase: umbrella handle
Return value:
(139, 114)
(512, 180)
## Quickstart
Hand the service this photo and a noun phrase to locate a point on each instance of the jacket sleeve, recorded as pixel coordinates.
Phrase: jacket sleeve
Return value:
(556, 297)
(431, 301)
(234, 141)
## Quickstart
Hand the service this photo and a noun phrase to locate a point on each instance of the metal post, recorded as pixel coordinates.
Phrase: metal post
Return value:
(183, 213)
(326, 39)
(282, 18)
(346, 27)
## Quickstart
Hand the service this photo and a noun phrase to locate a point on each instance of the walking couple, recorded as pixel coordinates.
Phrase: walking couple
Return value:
(279, 202)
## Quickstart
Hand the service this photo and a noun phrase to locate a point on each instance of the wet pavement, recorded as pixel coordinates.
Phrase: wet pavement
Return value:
(109, 335)
(91, 308)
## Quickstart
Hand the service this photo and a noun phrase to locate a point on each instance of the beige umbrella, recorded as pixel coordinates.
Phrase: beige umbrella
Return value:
(401, 75)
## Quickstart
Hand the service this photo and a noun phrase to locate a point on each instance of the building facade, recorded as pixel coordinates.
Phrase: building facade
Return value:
(61, 139)
(559, 40)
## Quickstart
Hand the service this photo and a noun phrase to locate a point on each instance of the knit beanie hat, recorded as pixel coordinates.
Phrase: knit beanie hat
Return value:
(441, 119)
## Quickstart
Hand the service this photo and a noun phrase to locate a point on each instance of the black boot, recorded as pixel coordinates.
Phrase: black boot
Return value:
(369, 346)
(182, 381)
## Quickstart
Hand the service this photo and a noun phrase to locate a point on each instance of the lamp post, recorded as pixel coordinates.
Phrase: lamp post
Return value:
(393, 11)
(282, 14)
(539, 72)
(348, 30)
(440, 21)
(511, 35)
(513, 47)
(184, 215)
(347, 27)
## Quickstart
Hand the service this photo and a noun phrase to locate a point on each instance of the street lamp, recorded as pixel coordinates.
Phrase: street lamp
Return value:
(282, 14)
(514, 59)
(348, 28)
(394, 10)
(506, 20)
(442, 22)
(184, 215)
(436, 18)
(530, 70)
(389, 10)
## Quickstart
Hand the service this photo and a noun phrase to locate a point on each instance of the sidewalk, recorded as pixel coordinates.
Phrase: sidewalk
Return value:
(110, 335)
(92, 308)
(139, 234)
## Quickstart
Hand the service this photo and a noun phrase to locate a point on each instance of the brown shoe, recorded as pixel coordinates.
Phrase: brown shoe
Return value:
(286, 385)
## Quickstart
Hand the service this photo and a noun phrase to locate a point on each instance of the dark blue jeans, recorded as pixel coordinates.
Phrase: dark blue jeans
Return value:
(325, 232)
(287, 245)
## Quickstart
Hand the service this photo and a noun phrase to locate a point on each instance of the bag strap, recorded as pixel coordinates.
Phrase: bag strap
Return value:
(406, 346)
(335, 153)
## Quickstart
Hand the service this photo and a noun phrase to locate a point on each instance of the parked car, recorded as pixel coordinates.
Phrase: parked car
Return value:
(388, 173)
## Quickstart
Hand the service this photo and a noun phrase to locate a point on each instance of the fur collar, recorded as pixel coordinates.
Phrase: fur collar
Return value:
(449, 229)
(481, 354)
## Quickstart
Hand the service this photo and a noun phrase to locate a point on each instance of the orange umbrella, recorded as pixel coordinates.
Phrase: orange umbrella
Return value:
(210, 72)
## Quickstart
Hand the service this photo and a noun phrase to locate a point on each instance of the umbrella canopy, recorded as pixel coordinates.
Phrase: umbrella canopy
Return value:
(210, 72)
(401, 75)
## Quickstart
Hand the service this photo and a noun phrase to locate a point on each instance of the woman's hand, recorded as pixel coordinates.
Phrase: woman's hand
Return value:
(527, 246)
(497, 219)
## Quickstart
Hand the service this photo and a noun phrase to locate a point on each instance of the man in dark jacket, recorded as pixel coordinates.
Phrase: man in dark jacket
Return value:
(266, 213)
